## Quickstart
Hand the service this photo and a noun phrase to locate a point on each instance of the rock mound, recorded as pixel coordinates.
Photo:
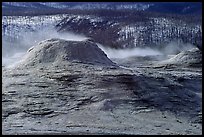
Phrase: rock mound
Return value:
(191, 57)
(59, 51)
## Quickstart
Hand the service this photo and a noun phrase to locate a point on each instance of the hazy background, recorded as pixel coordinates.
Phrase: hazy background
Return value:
(14, 50)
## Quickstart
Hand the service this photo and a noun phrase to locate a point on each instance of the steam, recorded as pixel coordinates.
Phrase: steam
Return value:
(14, 49)
(125, 53)
(29, 39)
(176, 46)
(172, 48)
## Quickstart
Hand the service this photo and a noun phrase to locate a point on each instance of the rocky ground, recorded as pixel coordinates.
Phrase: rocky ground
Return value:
(139, 95)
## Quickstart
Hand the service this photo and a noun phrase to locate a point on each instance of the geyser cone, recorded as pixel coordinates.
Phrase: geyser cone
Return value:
(59, 50)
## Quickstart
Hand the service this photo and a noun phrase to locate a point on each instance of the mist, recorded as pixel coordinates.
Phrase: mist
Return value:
(176, 46)
(125, 53)
(172, 48)
(14, 49)
(29, 39)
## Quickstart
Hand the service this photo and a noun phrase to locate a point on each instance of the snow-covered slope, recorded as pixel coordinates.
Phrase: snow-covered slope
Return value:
(15, 25)
(131, 30)
(163, 7)
(77, 5)
(113, 31)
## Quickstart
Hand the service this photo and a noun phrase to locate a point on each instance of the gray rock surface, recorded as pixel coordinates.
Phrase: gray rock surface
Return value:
(57, 51)
(80, 98)
(192, 57)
